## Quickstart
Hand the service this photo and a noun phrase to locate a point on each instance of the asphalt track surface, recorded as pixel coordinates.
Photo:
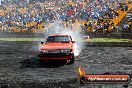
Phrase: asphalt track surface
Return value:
(20, 68)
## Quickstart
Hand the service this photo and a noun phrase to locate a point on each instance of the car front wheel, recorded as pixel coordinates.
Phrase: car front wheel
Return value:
(71, 61)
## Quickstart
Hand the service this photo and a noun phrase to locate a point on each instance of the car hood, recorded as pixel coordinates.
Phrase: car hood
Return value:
(59, 45)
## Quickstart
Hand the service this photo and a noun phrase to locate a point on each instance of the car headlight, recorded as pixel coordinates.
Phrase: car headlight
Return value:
(66, 50)
(43, 51)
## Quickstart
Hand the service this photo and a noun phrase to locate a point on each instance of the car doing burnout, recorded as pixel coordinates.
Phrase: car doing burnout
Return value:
(57, 47)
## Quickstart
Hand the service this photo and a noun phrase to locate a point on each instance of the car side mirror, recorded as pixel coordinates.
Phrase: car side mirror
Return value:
(42, 42)
(73, 41)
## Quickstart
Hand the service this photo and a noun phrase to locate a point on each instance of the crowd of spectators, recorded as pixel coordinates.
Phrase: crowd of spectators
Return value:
(93, 13)
(127, 27)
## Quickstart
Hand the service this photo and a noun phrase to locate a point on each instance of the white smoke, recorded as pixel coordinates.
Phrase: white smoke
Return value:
(57, 27)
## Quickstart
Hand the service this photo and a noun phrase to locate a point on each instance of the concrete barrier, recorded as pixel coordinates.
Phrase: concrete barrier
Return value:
(108, 44)
(111, 35)
(21, 35)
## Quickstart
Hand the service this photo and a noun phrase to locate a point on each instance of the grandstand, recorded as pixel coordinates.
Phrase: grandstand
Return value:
(98, 17)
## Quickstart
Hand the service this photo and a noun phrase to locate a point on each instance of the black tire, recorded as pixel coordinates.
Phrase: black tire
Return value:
(71, 61)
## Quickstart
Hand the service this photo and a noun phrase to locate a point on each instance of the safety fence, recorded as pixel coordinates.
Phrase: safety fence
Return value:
(4, 34)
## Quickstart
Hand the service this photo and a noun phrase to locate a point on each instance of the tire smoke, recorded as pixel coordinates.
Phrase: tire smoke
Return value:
(58, 27)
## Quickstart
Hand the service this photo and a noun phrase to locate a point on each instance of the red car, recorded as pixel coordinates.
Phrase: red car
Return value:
(57, 47)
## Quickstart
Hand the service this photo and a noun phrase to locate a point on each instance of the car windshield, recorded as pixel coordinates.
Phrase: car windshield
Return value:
(58, 39)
